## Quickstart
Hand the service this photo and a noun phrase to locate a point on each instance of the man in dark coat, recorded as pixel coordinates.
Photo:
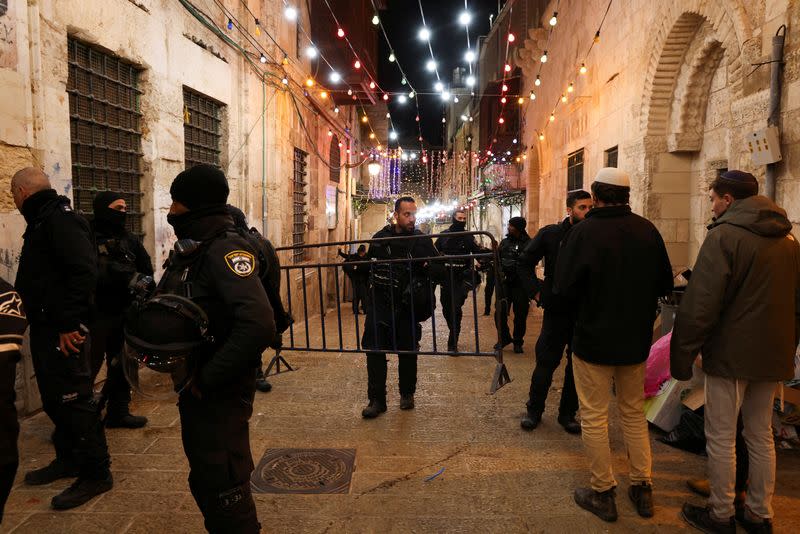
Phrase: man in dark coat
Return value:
(122, 260)
(460, 276)
(559, 317)
(401, 297)
(613, 267)
(359, 277)
(56, 280)
(12, 327)
(517, 285)
(742, 311)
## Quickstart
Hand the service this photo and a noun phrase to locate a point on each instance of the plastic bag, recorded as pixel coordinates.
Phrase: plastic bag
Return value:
(657, 369)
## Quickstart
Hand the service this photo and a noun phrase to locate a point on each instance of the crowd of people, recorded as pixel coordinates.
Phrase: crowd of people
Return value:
(86, 291)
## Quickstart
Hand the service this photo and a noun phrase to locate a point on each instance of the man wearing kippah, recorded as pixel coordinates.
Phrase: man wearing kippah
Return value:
(613, 267)
(741, 311)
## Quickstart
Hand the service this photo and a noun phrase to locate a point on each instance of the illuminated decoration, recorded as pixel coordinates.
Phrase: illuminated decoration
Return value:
(538, 81)
(263, 58)
(520, 101)
(372, 85)
(533, 96)
(554, 19)
(364, 119)
(309, 82)
(504, 88)
(552, 117)
(571, 87)
(424, 34)
(349, 92)
(340, 33)
(357, 65)
(323, 95)
(258, 28)
(470, 81)
(511, 38)
(501, 120)
(290, 13)
(469, 57)
(335, 77)
(541, 137)
(597, 37)
(330, 133)
(376, 20)
(385, 97)
(583, 68)
(311, 52)
(392, 57)
(563, 97)
(464, 18)
(430, 65)
(503, 100)
(507, 68)
(285, 80)
(543, 59)
(402, 99)
(438, 87)
(336, 110)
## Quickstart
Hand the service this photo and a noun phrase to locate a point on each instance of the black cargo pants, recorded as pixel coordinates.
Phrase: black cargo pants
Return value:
(555, 336)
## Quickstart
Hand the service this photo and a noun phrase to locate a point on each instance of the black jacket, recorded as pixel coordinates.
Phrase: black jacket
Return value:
(458, 245)
(517, 273)
(357, 273)
(546, 244)
(12, 327)
(120, 255)
(613, 267)
(225, 283)
(57, 271)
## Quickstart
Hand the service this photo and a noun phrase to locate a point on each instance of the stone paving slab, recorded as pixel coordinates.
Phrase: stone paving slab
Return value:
(496, 477)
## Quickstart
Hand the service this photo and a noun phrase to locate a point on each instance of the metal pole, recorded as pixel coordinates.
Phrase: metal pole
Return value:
(776, 64)
(263, 157)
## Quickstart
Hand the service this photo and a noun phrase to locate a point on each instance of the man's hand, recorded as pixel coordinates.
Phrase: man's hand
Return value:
(70, 342)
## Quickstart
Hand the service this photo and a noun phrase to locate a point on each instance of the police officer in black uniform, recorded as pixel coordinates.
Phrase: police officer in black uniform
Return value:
(400, 300)
(12, 327)
(216, 267)
(460, 276)
(559, 318)
(359, 277)
(122, 263)
(56, 279)
(517, 284)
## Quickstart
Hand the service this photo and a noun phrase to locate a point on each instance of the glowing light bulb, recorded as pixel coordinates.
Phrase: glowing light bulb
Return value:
(424, 34)
(520, 101)
(285, 80)
(464, 18)
(323, 95)
(309, 82)
(311, 52)
(446, 95)
(393, 136)
(385, 97)
(503, 100)
(336, 110)
(444, 121)
(364, 119)
(340, 33)
(469, 56)
(507, 68)
(258, 28)
(402, 99)
(501, 120)
(563, 97)
(552, 117)
(543, 59)
(372, 135)
(392, 57)
(597, 37)
(349, 92)
(533, 95)
(554, 18)
(290, 13)
(335, 77)
(357, 64)
(372, 85)
(376, 20)
(504, 88)
(541, 137)
(411, 94)
(511, 38)
(430, 66)
(263, 58)
(538, 81)
(438, 87)
(571, 87)
(403, 81)
(330, 133)
(470, 81)
(583, 68)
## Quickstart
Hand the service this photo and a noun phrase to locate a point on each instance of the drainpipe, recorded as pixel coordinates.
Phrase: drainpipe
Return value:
(263, 157)
(776, 64)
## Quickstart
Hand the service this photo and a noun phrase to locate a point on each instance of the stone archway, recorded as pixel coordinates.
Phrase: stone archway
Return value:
(697, 55)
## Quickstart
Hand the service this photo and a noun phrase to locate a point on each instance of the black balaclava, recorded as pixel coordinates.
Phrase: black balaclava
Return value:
(107, 218)
(458, 226)
(204, 191)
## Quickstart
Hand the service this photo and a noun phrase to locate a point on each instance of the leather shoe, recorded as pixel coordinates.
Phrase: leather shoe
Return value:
(600, 503)
(518, 348)
(406, 402)
(373, 409)
(761, 526)
(125, 421)
(55, 470)
(641, 495)
(263, 385)
(80, 492)
(530, 421)
(571, 426)
(701, 519)
(700, 486)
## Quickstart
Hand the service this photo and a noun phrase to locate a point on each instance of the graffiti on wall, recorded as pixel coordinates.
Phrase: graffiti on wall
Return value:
(8, 34)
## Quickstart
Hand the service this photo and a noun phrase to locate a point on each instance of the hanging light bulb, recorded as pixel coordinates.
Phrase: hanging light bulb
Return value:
(323, 95)
(504, 88)
(392, 57)
(357, 65)
(330, 133)
(597, 36)
(571, 87)
(538, 81)
(469, 56)
(402, 99)
(543, 59)
(385, 97)
(230, 24)
(285, 80)
(511, 38)
(364, 119)
(372, 135)
(533, 95)
(372, 85)
(336, 110)
(552, 117)
(335, 77)
(446, 96)
(311, 52)
(520, 101)
(430, 66)
(393, 135)
(375, 19)
(464, 18)
(403, 81)
(424, 34)
(541, 137)
(349, 92)
(258, 28)
(583, 68)
(411, 94)
(290, 13)
(263, 58)
(388, 115)
(455, 99)
(470, 81)
(501, 120)
(503, 100)
(563, 97)
(444, 121)
(309, 82)
(554, 18)
(507, 68)
(340, 33)
(438, 87)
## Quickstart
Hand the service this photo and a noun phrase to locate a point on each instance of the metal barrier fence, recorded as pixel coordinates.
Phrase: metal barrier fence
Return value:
(398, 290)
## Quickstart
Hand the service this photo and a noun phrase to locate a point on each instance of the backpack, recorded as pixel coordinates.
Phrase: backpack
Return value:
(269, 272)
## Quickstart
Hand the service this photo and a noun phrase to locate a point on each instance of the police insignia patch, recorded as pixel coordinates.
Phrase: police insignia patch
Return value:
(241, 262)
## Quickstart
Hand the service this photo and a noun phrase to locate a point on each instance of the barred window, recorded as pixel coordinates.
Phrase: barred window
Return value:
(202, 129)
(612, 154)
(299, 205)
(575, 170)
(335, 158)
(105, 129)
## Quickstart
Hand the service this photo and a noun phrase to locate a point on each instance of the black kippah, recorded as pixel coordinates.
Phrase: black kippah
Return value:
(739, 177)
(201, 186)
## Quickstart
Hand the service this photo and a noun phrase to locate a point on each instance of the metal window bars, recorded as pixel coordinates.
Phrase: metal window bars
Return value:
(202, 129)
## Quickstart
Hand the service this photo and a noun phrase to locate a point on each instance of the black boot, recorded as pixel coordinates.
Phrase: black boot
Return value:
(530, 421)
(81, 491)
(600, 503)
(125, 420)
(57, 469)
(373, 409)
(701, 519)
(407, 402)
(518, 348)
(570, 424)
(641, 495)
(262, 385)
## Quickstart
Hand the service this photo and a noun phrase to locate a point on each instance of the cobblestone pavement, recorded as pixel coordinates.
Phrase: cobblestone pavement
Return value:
(496, 477)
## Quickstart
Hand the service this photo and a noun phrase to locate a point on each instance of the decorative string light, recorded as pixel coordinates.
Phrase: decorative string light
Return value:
(340, 33)
(533, 95)
(571, 87)
(430, 66)
(230, 24)
(538, 81)
(465, 18)
(357, 65)
(583, 68)
(263, 58)
(543, 59)
(376, 20)
(552, 117)
(511, 38)
(554, 18)
(563, 97)
(424, 34)
(258, 28)
(290, 12)
(392, 57)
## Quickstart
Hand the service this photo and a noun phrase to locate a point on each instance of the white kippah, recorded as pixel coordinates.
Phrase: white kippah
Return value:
(613, 176)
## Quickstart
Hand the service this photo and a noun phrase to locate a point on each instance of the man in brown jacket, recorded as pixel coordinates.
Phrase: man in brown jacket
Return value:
(741, 310)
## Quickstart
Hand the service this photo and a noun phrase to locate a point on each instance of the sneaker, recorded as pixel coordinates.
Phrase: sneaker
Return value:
(641, 495)
(125, 421)
(57, 469)
(530, 421)
(701, 519)
(700, 486)
(518, 348)
(600, 503)
(373, 409)
(407, 402)
(80, 492)
(570, 424)
(751, 523)
(262, 385)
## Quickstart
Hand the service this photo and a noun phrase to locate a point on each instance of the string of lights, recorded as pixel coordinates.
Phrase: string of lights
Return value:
(424, 34)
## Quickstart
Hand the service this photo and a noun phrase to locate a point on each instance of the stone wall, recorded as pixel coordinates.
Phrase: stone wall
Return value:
(671, 84)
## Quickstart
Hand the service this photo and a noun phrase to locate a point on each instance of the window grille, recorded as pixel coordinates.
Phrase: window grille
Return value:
(612, 155)
(202, 129)
(299, 205)
(105, 129)
(335, 159)
(575, 170)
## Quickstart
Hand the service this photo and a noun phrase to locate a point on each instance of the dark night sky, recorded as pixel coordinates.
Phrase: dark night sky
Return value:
(402, 21)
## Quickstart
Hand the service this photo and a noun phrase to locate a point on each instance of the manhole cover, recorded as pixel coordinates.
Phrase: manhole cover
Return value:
(304, 471)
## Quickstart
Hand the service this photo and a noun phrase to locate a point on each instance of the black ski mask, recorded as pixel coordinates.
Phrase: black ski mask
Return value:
(111, 219)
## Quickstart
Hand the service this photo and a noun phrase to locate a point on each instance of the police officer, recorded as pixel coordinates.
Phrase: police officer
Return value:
(558, 320)
(517, 284)
(459, 277)
(401, 298)
(359, 277)
(122, 262)
(12, 326)
(56, 279)
(217, 269)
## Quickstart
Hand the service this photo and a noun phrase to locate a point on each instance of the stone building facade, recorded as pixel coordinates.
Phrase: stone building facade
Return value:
(670, 92)
(125, 94)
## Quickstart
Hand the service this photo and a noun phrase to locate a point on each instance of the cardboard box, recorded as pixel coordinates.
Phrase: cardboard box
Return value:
(790, 395)
(664, 410)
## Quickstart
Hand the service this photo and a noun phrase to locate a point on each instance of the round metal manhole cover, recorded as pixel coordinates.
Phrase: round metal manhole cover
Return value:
(304, 471)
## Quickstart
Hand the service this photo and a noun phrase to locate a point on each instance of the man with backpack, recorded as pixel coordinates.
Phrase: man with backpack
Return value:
(517, 285)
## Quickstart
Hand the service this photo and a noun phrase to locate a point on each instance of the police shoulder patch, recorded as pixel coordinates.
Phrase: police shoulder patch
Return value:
(241, 262)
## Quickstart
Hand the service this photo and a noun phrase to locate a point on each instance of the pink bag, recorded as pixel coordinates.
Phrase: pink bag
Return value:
(657, 369)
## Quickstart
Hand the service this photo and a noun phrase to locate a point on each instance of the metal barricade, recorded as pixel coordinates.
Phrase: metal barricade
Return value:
(313, 292)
